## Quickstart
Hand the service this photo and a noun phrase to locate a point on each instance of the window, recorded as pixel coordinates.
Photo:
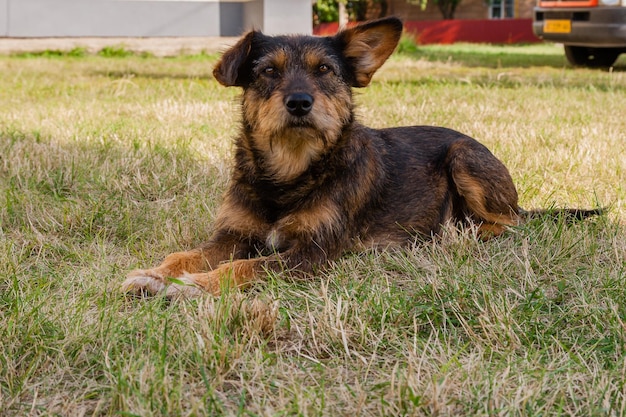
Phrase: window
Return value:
(502, 9)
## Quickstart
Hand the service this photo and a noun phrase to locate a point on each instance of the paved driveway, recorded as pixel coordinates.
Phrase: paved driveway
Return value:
(156, 46)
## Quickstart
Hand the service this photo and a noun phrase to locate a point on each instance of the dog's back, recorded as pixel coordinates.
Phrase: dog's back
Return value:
(412, 180)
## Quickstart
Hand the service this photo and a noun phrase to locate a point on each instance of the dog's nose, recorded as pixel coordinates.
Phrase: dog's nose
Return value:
(299, 104)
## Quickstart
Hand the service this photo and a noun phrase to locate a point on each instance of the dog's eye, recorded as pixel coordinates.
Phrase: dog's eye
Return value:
(323, 68)
(271, 71)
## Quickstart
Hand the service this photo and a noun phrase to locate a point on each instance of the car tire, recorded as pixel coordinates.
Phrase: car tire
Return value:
(582, 56)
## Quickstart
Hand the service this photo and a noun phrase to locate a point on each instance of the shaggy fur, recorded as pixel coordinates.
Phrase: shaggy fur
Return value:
(310, 183)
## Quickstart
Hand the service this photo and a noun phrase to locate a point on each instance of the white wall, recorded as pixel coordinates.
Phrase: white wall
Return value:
(287, 16)
(41, 18)
(276, 17)
(253, 15)
(69, 18)
(4, 18)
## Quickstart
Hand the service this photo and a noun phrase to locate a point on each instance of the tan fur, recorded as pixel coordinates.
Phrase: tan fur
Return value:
(370, 50)
(474, 193)
(309, 221)
(291, 154)
(235, 218)
(310, 183)
(289, 151)
(236, 274)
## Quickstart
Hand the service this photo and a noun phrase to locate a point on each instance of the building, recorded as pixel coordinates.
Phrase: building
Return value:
(478, 21)
(467, 9)
(207, 18)
(95, 18)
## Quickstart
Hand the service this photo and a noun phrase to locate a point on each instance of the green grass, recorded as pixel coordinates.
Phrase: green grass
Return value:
(109, 162)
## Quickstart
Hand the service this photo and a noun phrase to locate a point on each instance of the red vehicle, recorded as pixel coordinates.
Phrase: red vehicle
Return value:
(592, 31)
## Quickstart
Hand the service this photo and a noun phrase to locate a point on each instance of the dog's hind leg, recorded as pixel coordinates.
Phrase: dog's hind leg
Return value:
(484, 186)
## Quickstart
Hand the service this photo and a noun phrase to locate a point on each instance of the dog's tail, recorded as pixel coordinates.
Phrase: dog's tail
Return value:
(567, 214)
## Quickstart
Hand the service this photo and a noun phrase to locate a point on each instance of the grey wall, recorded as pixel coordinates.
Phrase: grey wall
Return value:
(287, 16)
(231, 19)
(41, 18)
(253, 15)
(4, 17)
(276, 17)
(69, 18)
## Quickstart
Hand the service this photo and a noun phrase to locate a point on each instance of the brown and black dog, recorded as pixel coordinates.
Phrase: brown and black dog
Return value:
(310, 183)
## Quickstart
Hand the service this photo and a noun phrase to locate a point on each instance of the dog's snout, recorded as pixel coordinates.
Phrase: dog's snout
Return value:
(299, 104)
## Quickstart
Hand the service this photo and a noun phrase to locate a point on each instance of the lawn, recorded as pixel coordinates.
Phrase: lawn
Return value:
(109, 162)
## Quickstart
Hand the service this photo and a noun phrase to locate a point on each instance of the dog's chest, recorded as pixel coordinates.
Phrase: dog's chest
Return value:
(276, 201)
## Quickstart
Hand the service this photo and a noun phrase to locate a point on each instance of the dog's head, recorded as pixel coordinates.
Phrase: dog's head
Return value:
(297, 89)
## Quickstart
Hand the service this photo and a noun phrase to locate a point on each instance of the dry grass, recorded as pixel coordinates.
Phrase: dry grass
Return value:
(107, 164)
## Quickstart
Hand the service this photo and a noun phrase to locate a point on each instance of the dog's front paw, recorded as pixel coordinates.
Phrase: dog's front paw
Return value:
(151, 282)
(184, 287)
(143, 282)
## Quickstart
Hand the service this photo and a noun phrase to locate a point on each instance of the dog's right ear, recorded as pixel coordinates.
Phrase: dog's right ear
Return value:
(233, 69)
(368, 45)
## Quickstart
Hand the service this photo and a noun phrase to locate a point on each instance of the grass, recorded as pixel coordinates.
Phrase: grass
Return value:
(109, 162)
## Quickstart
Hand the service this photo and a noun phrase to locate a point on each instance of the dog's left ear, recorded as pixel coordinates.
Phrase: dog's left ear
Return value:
(230, 70)
(367, 46)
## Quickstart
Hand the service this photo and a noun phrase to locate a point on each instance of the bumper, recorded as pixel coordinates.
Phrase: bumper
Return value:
(593, 27)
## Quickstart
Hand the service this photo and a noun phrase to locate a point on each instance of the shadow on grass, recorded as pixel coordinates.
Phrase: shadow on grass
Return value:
(510, 82)
(154, 75)
(73, 188)
(491, 58)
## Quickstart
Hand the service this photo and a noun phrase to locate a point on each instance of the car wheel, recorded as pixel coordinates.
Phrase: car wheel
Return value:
(582, 56)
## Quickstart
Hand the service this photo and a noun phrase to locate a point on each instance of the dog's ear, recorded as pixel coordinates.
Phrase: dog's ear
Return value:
(367, 46)
(233, 68)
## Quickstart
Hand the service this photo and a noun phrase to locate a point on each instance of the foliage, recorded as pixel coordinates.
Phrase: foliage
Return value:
(446, 7)
(50, 53)
(407, 45)
(328, 10)
(325, 11)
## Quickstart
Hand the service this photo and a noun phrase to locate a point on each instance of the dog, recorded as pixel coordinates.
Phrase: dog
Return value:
(310, 182)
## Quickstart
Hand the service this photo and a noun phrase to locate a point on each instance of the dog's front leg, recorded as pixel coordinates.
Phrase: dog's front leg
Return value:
(303, 252)
(299, 259)
(177, 267)
(235, 274)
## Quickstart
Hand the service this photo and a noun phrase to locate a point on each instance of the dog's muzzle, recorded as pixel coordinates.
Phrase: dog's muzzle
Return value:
(299, 104)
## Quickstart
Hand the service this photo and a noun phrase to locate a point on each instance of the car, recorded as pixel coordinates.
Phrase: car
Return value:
(593, 32)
